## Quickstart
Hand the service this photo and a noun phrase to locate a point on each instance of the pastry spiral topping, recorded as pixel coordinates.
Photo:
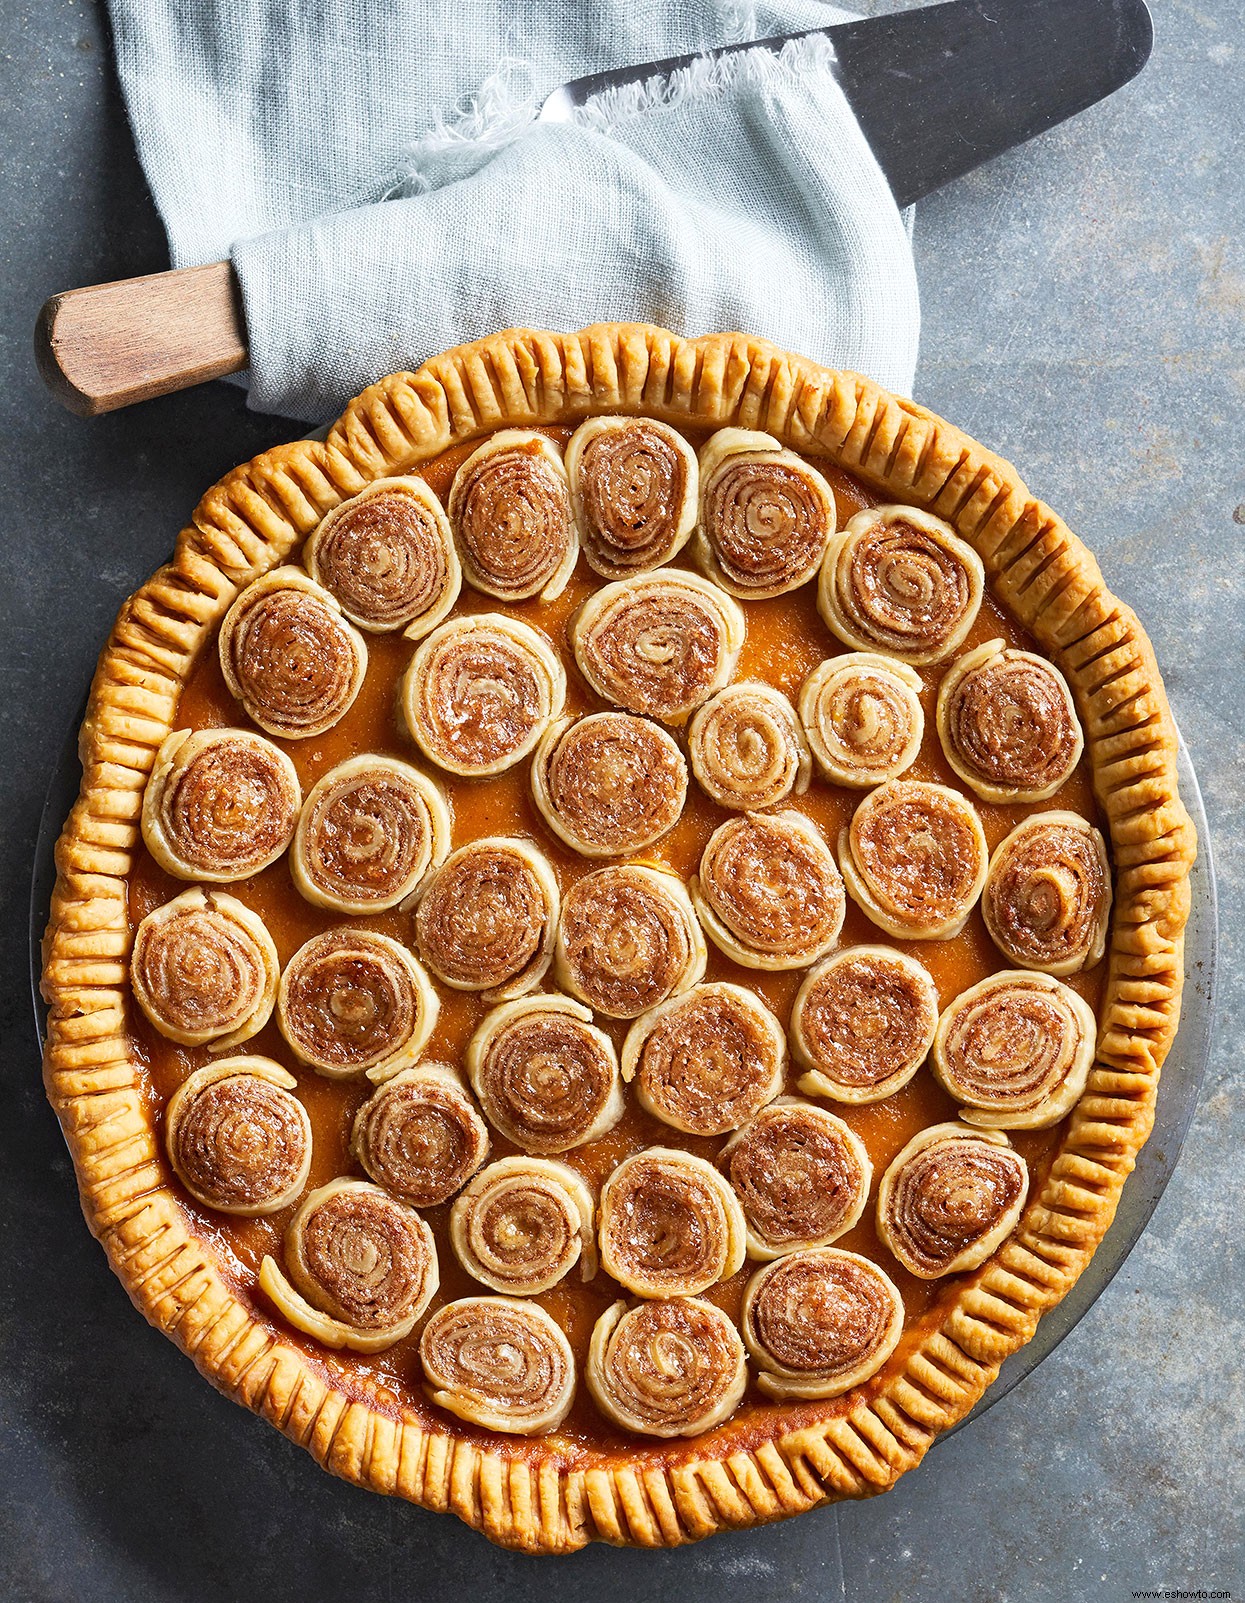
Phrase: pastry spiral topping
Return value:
(914, 859)
(708, 1060)
(634, 486)
(670, 1225)
(419, 1135)
(627, 940)
(950, 1198)
(818, 1323)
(500, 1363)
(768, 893)
(361, 1267)
(546, 1077)
(801, 1175)
(862, 715)
(1008, 725)
(238, 1139)
(1016, 1049)
(765, 516)
(900, 581)
(510, 508)
(673, 1368)
(352, 1002)
(486, 920)
(862, 1023)
(204, 968)
(289, 656)
(523, 1224)
(388, 556)
(369, 832)
(608, 784)
(220, 804)
(658, 644)
(480, 692)
(747, 748)
(1047, 901)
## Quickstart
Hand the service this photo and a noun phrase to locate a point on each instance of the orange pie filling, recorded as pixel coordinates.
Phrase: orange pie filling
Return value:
(915, 864)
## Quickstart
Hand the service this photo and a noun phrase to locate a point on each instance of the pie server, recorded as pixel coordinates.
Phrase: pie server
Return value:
(937, 90)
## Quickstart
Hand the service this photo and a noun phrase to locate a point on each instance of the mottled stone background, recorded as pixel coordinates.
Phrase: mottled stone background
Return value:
(1085, 314)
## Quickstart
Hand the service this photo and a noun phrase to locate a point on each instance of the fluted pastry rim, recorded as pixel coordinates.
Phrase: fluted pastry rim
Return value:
(252, 520)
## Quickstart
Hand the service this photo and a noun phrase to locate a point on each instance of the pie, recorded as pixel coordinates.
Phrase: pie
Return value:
(619, 934)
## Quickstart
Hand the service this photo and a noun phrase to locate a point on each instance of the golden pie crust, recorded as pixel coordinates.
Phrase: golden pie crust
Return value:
(520, 1492)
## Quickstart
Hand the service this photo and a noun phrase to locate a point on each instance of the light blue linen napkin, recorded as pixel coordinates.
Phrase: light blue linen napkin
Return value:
(375, 173)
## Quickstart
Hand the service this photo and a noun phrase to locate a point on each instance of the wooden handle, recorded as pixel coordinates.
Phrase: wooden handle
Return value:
(113, 344)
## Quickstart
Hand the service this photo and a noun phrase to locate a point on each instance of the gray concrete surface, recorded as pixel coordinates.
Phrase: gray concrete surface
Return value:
(1085, 314)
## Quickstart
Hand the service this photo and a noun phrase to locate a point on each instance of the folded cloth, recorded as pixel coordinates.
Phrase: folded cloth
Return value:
(376, 174)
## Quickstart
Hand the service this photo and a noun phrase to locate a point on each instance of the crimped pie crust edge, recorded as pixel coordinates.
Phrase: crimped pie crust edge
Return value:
(248, 523)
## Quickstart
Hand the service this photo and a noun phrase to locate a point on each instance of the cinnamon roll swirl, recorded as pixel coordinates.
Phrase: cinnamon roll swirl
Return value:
(819, 1322)
(747, 748)
(1047, 900)
(608, 784)
(523, 1224)
(238, 1138)
(900, 581)
(370, 832)
(627, 940)
(486, 919)
(479, 693)
(862, 715)
(289, 656)
(674, 1368)
(1008, 725)
(659, 643)
(360, 1267)
(769, 893)
(500, 1363)
(634, 486)
(510, 509)
(545, 1075)
(220, 804)
(352, 1001)
(950, 1198)
(204, 969)
(914, 859)
(862, 1023)
(707, 1061)
(765, 515)
(388, 556)
(419, 1135)
(1016, 1050)
(801, 1175)
(670, 1225)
